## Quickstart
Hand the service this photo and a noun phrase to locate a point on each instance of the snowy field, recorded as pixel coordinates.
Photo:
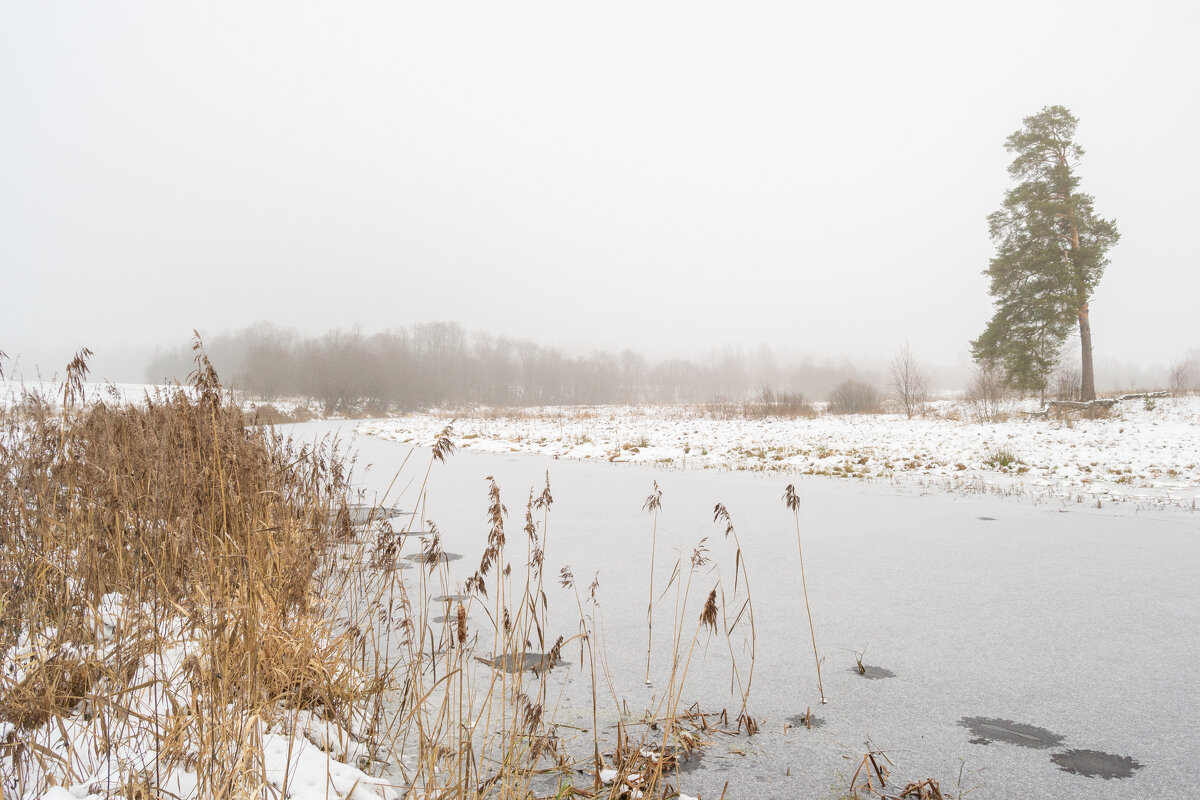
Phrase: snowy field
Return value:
(1143, 451)
(52, 390)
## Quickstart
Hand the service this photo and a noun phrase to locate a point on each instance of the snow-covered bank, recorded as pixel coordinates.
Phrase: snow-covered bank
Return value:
(1147, 451)
(169, 618)
(105, 746)
(274, 411)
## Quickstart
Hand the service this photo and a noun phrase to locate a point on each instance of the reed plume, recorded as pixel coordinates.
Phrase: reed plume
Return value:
(653, 504)
(792, 501)
(740, 576)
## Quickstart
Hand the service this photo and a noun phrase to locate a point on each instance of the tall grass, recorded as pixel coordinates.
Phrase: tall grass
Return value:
(792, 501)
(653, 504)
(766, 404)
(192, 605)
(157, 565)
(745, 611)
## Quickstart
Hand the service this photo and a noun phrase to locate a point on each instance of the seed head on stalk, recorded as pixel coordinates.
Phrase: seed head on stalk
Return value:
(792, 501)
(653, 505)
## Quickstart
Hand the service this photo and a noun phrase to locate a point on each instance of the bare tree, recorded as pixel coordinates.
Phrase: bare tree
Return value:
(854, 397)
(987, 394)
(909, 383)
(440, 364)
(1066, 383)
(1181, 378)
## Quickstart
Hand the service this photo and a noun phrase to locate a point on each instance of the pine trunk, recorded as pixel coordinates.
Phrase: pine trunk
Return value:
(1087, 382)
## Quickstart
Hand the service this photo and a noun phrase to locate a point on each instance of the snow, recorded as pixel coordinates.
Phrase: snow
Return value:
(989, 603)
(1059, 615)
(118, 393)
(136, 393)
(97, 756)
(1143, 451)
(310, 774)
(307, 771)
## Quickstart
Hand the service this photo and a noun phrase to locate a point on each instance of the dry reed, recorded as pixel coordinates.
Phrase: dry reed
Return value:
(792, 501)
(187, 584)
(653, 504)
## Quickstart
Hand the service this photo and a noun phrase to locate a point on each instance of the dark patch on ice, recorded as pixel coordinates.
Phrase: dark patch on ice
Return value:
(425, 559)
(988, 519)
(451, 598)
(1095, 764)
(690, 762)
(519, 662)
(798, 721)
(990, 729)
(873, 673)
(439, 619)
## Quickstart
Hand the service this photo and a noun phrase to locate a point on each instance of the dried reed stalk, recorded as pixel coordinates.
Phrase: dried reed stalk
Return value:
(653, 504)
(792, 501)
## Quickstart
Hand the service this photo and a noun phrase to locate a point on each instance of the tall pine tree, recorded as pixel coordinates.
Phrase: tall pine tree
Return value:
(1051, 251)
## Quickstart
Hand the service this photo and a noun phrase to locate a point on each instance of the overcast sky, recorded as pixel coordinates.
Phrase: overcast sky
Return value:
(664, 177)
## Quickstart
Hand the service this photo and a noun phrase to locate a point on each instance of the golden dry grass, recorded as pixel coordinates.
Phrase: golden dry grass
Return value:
(202, 525)
(178, 578)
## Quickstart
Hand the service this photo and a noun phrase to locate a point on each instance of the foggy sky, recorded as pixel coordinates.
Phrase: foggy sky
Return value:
(662, 177)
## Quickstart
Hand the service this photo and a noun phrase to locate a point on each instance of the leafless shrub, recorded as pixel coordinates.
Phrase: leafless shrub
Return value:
(987, 394)
(1065, 383)
(1181, 376)
(854, 397)
(908, 382)
(781, 405)
(270, 414)
(721, 407)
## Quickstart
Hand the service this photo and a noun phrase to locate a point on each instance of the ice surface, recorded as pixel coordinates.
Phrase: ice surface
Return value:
(1029, 612)
(1060, 616)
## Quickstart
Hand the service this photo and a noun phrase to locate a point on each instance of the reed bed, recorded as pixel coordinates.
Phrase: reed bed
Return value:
(158, 619)
(193, 605)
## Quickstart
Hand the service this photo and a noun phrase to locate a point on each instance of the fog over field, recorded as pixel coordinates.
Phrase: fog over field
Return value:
(667, 179)
(631, 401)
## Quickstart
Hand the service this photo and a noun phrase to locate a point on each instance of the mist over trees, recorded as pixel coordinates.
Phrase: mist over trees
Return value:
(441, 364)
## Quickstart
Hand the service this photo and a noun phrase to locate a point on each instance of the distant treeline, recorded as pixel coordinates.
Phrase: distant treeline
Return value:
(439, 364)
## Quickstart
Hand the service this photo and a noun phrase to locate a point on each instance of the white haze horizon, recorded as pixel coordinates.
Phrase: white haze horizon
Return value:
(126, 363)
(666, 178)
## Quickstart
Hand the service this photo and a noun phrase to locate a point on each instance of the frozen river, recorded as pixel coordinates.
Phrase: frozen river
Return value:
(1033, 651)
